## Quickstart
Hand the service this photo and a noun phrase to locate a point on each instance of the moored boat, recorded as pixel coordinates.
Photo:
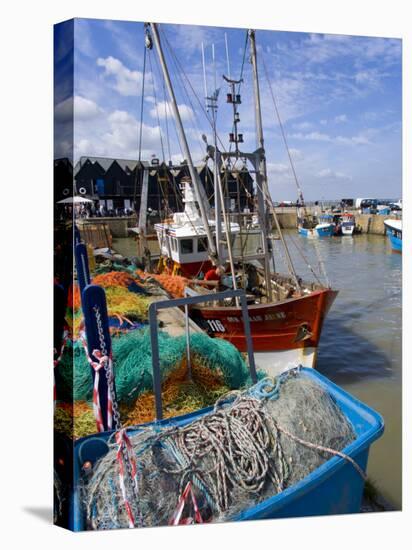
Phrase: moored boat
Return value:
(347, 224)
(315, 227)
(286, 313)
(394, 232)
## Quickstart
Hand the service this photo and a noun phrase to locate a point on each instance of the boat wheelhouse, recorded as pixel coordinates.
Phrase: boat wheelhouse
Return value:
(183, 239)
(347, 224)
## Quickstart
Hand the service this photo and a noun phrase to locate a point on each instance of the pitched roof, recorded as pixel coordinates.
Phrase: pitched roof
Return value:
(106, 162)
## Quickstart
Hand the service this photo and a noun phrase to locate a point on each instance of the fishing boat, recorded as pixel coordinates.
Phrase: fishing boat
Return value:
(286, 313)
(315, 227)
(394, 232)
(347, 224)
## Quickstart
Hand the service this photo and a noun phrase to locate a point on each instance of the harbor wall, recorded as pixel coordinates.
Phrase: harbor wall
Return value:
(118, 227)
(368, 223)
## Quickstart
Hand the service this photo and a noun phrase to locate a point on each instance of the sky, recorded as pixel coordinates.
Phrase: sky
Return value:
(339, 98)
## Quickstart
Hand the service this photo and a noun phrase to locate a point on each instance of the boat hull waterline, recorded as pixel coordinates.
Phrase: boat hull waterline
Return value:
(324, 230)
(292, 324)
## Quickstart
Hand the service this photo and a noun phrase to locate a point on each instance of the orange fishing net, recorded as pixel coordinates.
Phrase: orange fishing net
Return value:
(173, 284)
(114, 278)
(180, 395)
(73, 297)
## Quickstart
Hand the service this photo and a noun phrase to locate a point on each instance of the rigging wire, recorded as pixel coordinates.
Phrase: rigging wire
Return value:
(283, 133)
(185, 94)
(160, 72)
(182, 71)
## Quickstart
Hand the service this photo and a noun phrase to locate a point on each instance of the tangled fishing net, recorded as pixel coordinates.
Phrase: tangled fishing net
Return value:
(132, 355)
(74, 420)
(132, 361)
(180, 394)
(73, 375)
(243, 452)
(173, 284)
(73, 298)
(217, 366)
(119, 279)
(125, 304)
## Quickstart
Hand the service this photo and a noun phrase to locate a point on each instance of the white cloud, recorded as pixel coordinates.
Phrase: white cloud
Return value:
(277, 168)
(315, 136)
(360, 139)
(63, 111)
(164, 109)
(370, 78)
(303, 125)
(353, 140)
(78, 107)
(296, 154)
(125, 81)
(340, 118)
(83, 36)
(328, 173)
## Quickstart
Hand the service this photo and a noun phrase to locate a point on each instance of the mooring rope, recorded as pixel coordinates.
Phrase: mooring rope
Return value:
(235, 449)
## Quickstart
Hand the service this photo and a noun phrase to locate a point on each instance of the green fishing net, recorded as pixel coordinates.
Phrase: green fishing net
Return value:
(132, 360)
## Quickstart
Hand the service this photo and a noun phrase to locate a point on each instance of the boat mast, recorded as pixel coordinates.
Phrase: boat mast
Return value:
(214, 153)
(261, 174)
(183, 141)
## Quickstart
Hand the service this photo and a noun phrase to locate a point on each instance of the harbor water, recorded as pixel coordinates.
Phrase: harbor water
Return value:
(361, 343)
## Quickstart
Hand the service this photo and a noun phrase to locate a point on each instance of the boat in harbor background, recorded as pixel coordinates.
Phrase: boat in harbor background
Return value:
(347, 224)
(315, 227)
(394, 232)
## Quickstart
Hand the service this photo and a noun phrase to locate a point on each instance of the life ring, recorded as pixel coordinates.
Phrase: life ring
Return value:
(66, 192)
(82, 191)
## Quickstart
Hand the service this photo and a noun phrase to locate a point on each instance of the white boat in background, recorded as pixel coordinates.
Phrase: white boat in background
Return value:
(347, 224)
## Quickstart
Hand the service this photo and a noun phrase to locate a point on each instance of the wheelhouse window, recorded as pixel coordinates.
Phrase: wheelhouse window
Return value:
(202, 244)
(174, 245)
(186, 246)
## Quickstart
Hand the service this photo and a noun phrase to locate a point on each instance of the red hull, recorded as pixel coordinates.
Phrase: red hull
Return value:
(291, 324)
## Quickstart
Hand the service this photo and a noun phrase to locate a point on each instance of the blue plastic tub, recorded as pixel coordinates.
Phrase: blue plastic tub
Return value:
(333, 488)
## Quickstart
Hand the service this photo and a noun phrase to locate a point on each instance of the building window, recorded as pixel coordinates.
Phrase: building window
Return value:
(186, 246)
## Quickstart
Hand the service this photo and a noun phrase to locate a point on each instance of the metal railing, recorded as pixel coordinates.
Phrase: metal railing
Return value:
(185, 302)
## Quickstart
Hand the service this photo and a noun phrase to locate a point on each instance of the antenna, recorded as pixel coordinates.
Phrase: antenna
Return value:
(214, 64)
(227, 56)
(204, 75)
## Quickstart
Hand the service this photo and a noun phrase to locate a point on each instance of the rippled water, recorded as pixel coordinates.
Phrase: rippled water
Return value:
(361, 340)
(361, 343)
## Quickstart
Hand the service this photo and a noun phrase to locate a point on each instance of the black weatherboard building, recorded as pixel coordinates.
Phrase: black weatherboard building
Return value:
(117, 184)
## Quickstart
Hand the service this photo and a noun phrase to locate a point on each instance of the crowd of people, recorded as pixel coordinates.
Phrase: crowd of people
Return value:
(89, 210)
